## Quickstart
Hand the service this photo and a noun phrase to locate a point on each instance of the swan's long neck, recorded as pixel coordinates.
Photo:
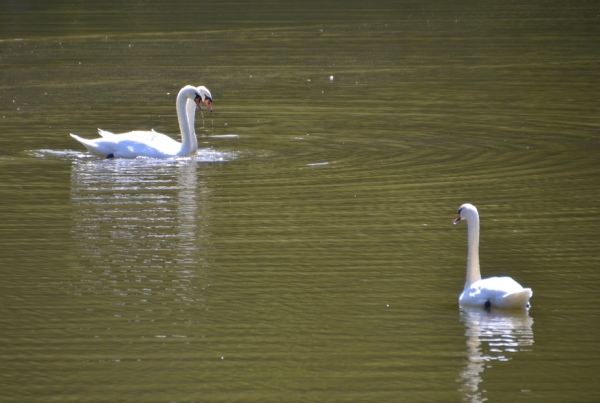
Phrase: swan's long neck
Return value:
(473, 273)
(190, 107)
(182, 116)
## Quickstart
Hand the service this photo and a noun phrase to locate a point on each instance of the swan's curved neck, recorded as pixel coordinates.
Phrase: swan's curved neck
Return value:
(191, 117)
(184, 123)
(473, 272)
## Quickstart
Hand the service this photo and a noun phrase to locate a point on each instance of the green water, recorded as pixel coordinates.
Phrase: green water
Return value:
(306, 253)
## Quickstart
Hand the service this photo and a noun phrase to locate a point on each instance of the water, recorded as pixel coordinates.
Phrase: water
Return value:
(307, 252)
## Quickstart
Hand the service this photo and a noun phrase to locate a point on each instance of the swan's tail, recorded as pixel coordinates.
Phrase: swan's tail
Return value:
(85, 142)
(92, 146)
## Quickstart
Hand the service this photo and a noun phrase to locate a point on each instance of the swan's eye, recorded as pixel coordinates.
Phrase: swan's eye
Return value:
(459, 210)
(197, 96)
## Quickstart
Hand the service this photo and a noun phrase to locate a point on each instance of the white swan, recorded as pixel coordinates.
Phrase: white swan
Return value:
(497, 292)
(150, 143)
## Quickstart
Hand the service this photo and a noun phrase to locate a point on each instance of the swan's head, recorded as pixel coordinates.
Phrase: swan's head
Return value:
(465, 212)
(203, 95)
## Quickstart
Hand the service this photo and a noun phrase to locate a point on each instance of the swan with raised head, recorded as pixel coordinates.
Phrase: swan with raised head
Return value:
(150, 143)
(496, 292)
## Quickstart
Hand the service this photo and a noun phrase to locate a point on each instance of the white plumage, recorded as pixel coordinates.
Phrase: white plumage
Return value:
(496, 292)
(150, 143)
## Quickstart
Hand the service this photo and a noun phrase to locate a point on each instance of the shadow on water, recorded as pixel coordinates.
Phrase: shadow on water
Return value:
(491, 336)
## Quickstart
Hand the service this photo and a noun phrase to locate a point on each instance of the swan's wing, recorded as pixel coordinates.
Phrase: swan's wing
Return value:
(500, 285)
(516, 300)
(143, 136)
(143, 143)
(104, 133)
(501, 292)
(136, 135)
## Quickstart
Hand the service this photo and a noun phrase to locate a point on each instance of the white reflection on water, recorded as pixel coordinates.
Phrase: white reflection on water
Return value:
(491, 336)
(140, 232)
(136, 205)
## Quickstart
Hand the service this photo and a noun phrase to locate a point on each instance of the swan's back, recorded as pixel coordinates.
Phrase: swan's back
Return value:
(132, 144)
(496, 292)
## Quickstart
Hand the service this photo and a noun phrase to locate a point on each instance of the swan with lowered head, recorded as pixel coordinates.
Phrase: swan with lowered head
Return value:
(497, 292)
(150, 143)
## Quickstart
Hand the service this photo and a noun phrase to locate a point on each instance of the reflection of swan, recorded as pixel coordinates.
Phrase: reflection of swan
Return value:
(490, 336)
(140, 231)
(150, 143)
(498, 292)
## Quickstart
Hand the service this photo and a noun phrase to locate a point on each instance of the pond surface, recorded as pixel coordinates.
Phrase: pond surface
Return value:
(306, 253)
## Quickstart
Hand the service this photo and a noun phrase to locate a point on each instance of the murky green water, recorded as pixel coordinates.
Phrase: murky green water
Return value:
(311, 256)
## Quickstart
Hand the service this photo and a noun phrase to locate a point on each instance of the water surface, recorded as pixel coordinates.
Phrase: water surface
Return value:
(306, 253)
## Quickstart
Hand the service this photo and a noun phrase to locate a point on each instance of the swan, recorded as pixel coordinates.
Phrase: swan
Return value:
(497, 292)
(150, 143)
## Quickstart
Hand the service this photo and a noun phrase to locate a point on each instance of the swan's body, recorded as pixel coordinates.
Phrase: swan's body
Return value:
(497, 292)
(150, 143)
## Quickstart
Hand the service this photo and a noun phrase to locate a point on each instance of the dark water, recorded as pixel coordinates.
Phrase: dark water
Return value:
(306, 253)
